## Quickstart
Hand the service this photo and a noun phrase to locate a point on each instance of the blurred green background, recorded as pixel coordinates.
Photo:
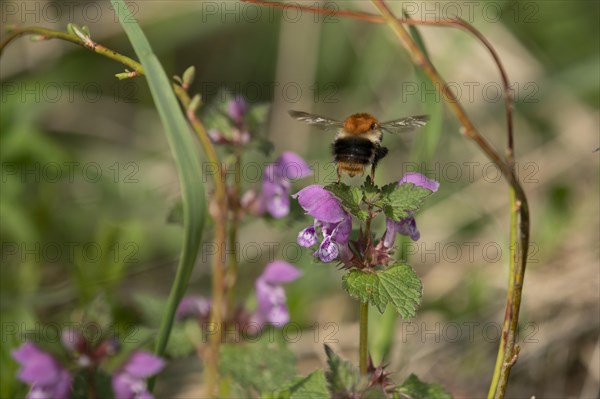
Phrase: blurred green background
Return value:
(88, 181)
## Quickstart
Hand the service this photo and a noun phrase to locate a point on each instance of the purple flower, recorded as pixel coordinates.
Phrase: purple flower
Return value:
(48, 379)
(275, 196)
(270, 296)
(129, 381)
(237, 109)
(333, 220)
(408, 225)
(193, 306)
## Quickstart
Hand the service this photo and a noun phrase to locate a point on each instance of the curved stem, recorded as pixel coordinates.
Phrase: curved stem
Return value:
(508, 351)
(519, 211)
(232, 264)
(46, 34)
(439, 22)
(219, 214)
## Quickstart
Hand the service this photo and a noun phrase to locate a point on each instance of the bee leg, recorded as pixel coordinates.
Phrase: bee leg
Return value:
(380, 153)
(339, 174)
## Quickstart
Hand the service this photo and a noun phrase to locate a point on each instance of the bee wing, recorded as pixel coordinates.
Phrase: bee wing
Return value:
(321, 122)
(404, 124)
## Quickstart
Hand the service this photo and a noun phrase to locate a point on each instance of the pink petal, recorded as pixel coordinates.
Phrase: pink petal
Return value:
(143, 364)
(279, 271)
(291, 166)
(419, 180)
(320, 204)
(37, 366)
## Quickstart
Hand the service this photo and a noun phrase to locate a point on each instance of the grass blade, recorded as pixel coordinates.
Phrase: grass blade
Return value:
(187, 162)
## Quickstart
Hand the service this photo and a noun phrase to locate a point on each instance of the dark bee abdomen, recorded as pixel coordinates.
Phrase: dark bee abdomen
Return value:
(354, 150)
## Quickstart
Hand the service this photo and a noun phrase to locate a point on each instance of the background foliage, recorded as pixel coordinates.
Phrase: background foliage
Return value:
(67, 237)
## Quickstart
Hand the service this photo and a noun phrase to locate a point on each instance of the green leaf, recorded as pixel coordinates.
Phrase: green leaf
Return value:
(398, 285)
(181, 343)
(186, 160)
(375, 392)
(313, 385)
(371, 192)
(402, 199)
(413, 388)
(342, 376)
(256, 118)
(426, 142)
(260, 365)
(351, 198)
(175, 215)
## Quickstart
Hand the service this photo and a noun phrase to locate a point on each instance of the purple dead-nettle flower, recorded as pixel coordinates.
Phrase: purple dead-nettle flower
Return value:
(407, 226)
(129, 381)
(237, 109)
(48, 379)
(276, 182)
(270, 296)
(193, 306)
(333, 220)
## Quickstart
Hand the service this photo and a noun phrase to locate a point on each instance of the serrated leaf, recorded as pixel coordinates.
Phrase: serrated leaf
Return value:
(342, 377)
(313, 385)
(413, 388)
(350, 197)
(375, 392)
(259, 365)
(371, 193)
(403, 199)
(398, 285)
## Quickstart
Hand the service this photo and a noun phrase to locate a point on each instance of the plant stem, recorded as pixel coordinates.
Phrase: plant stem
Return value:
(89, 44)
(519, 235)
(220, 216)
(232, 264)
(363, 341)
(219, 213)
(91, 382)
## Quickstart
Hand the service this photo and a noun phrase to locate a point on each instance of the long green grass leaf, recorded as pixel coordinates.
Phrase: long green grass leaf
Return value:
(187, 162)
(426, 142)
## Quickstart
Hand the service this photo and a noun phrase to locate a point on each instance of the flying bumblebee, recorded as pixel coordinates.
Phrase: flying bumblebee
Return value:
(357, 143)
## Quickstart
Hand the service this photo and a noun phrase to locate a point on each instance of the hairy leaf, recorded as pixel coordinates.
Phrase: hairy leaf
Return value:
(404, 198)
(351, 198)
(397, 285)
(313, 385)
(342, 376)
(413, 388)
(260, 366)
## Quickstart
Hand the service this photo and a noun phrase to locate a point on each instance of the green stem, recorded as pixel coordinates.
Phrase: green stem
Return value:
(232, 264)
(508, 350)
(211, 361)
(182, 276)
(363, 350)
(46, 34)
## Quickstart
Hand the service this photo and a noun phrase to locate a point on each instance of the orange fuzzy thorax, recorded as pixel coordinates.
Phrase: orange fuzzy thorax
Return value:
(359, 123)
